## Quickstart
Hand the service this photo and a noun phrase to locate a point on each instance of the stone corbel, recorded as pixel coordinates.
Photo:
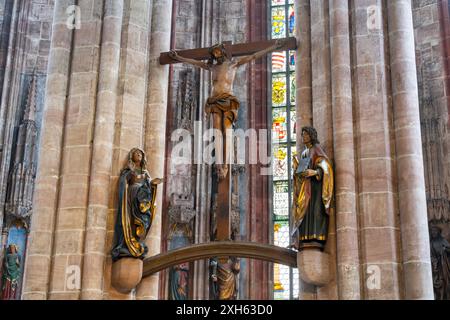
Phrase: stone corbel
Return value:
(314, 266)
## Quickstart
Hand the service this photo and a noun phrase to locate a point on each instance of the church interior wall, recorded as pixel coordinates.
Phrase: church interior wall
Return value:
(100, 91)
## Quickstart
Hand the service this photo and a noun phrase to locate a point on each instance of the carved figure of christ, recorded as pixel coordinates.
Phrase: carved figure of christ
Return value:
(222, 104)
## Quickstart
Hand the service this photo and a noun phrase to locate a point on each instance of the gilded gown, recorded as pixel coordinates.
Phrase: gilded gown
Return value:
(312, 198)
(134, 215)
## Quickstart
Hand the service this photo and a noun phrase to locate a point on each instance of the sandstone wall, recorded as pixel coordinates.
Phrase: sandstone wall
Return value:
(105, 94)
(362, 97)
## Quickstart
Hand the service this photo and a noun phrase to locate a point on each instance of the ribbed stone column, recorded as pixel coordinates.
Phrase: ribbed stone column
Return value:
(411, 183)
(303, 66)
(6, 110)
(38, 262)
(6, 74)
(101, 163)
(77, 151)
(155, 134)
(377, 205)
(374, 138)
(344, 157)
(321, 74)
(303, 96)
(130, 111)
(322, 118)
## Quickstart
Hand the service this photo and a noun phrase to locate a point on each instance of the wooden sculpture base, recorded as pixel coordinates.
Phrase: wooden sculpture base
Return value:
(126, 274)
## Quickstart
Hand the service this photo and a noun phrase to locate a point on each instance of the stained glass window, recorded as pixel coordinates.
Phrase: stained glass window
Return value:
(279, 125)
(279, 89)
(283, 141)
(278, 22)
(291, 20)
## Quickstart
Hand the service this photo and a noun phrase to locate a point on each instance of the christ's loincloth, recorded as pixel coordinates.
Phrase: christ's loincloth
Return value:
(224, 104)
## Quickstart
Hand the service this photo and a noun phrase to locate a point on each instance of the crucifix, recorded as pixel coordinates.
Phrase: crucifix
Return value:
(223, 106)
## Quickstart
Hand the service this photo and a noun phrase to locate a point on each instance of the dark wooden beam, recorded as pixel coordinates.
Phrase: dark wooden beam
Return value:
(223, 212)
(238, 50)
(195, 252)
(224, 208)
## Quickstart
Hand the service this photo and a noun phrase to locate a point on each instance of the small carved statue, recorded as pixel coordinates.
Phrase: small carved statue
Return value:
(222, 104)
(224, 278)
(440, 264)
(11, 273)
(179, 282)
(313, 192)
(136, 209)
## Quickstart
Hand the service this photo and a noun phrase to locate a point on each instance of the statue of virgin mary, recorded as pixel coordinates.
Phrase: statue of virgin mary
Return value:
(136, 208)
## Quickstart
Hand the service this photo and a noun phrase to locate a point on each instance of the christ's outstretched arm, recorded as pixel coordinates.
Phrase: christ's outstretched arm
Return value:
(174, 55)
(278, 45)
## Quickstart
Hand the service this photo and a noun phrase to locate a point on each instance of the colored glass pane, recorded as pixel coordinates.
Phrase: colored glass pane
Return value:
(278, 22)
(279, 90)
(280, 163)
(292, 58)
(284, 281)
(291, 20)
(278, 287)
(279, 62)
(293, 125)
(281, 200)
(281, 234)
(279, 2)
(279, 125)
(293, 88)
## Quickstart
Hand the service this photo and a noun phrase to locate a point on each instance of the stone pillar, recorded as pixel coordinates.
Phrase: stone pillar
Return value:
(10, 34)
(303, 95)
(130, 111)
(9, 92)
(375, 153)
(410, 171)
(7, 75)
(38, 262)
(155, 134)
(322, 117)
(321, 74)
(71, 217)
(303, 67)
(344, 158)
(6, 8)
(102, 153)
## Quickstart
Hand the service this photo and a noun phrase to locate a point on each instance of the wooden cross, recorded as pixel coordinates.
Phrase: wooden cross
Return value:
(224, 185)
(236, 50)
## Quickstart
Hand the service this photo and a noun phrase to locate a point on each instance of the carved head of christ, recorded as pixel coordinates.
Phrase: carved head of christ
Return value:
(218, 54)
